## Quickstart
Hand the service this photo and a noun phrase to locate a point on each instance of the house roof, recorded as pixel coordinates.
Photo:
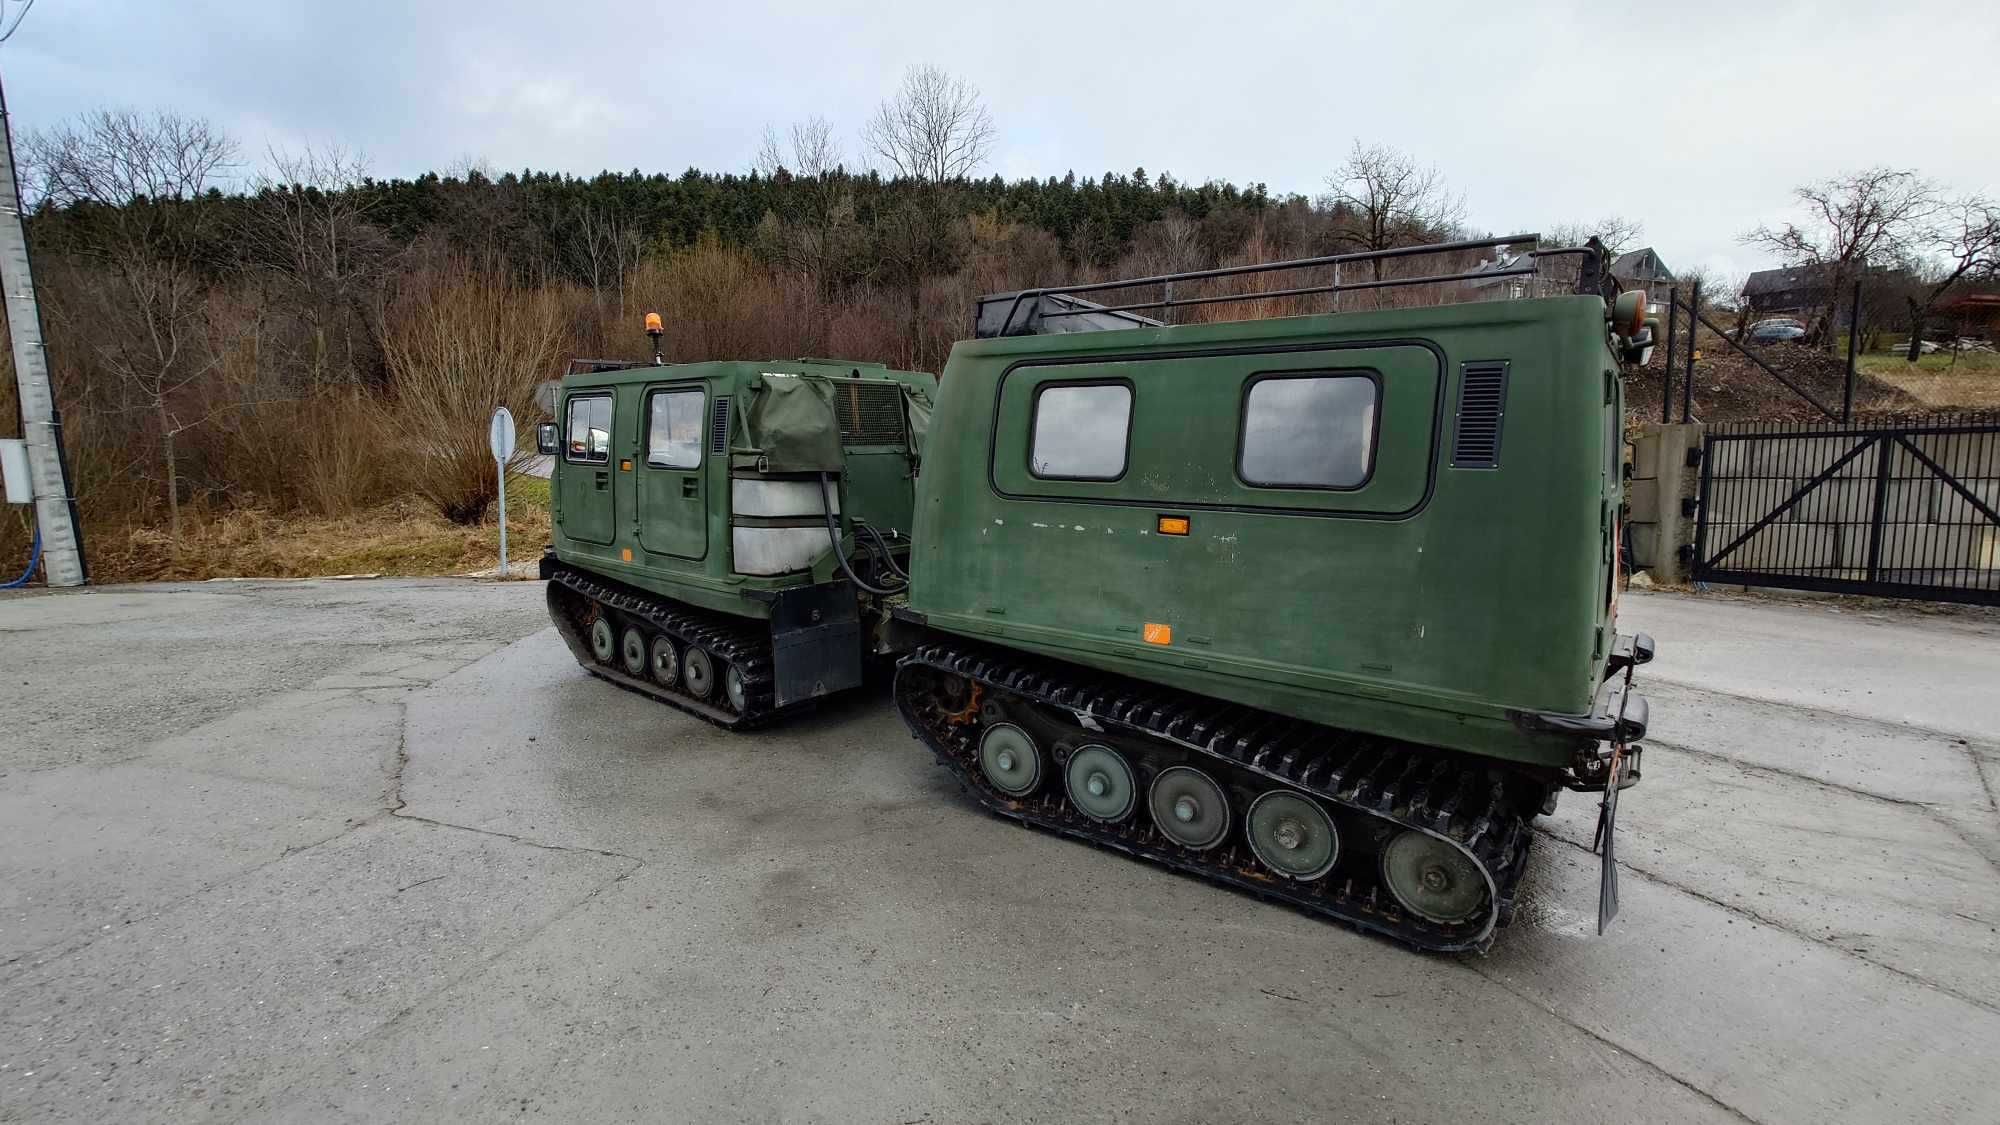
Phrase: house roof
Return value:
(1780, 280)
(1498, 262)
(1640, 264)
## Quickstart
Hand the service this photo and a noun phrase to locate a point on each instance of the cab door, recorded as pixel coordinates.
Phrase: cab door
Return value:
(673, 500)
(586, 510)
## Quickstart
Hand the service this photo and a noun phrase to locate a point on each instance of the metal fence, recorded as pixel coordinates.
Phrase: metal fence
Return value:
(1894, 507)
(1685, 318)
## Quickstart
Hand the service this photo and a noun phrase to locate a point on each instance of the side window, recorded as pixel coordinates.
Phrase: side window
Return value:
(1080, 431)
(1311, 431)
(590, 429)
(673, 429)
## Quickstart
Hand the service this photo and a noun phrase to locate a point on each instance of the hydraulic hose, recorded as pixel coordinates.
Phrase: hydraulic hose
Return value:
(882, 548)
(840, 552)
(34, 559)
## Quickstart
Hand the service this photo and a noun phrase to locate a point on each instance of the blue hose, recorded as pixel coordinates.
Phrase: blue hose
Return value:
(34, 559)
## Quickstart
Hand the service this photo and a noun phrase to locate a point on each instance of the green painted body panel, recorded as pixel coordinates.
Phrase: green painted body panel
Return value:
(1427, 603)
(676, 522)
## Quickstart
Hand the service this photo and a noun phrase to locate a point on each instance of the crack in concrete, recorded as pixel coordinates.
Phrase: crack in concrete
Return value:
(1930, 811)
(1780, 771)
(1606, 1039)
(1782, 927)
(392, 796)
(1985, 780)
(522, 840)
(392, 805)
(261, 1108)
(1820, 711)
(154, 911)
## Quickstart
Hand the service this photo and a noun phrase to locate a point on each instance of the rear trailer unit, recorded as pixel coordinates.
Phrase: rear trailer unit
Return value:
(1321, 607)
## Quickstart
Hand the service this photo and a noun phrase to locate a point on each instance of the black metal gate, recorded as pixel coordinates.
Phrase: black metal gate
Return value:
(1902, 510)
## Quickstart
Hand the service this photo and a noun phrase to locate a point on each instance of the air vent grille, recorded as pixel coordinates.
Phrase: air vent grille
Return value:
(1482, 404)
(870, 413)
(718, 427)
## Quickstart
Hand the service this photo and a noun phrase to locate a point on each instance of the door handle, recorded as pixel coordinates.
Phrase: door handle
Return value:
(690, 487)
(603, 479)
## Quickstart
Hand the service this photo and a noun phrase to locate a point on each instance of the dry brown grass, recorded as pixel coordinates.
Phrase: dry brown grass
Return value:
(403, 537)
(1973, 383)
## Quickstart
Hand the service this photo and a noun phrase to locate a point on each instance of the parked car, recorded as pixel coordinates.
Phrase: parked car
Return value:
(1777, 330)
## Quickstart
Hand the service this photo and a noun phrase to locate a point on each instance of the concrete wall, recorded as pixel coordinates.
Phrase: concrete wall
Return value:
(1661, 478)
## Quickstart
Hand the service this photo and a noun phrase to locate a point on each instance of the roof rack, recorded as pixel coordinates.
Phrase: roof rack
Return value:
(1031, 311)
(594, 366)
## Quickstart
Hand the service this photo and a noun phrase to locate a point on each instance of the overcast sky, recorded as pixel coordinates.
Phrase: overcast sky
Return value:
(1696, 118)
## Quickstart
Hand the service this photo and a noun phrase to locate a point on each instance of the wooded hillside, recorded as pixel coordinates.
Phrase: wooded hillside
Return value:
(310, 339)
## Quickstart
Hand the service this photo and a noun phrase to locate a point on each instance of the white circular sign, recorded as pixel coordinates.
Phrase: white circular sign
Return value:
(500, 435)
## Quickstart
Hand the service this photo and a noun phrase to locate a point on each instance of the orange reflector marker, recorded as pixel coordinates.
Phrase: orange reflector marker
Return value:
(1173, 525)
(1156, 634)
(626, 554)
(625, 466)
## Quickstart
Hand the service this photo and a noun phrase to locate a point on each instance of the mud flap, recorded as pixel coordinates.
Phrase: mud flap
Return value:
(1624, 760)
(815, 642)
(1603, 844)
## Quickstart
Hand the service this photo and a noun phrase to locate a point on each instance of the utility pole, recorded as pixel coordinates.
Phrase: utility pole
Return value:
(41, 422)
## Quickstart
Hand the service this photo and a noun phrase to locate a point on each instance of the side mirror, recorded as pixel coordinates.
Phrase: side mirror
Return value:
(545, 438)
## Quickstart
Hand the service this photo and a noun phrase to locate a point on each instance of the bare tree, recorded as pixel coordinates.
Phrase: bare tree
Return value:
(115, 156)
(147, 174)
(935, 131)
(470, 167)
(1851, 221)
(309, 229)
(1964, 245)
(1170, 245)
(812, 228)
(808, 151)
(1391, 200)
(1617, 233)
(596, 247)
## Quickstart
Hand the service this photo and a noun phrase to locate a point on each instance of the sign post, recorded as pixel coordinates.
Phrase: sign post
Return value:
(500, 439)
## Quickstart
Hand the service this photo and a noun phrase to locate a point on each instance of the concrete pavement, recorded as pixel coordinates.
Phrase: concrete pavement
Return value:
(347, 851)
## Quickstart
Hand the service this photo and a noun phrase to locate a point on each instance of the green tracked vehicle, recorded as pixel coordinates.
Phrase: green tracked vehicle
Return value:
(1320, 607)
(725, 533)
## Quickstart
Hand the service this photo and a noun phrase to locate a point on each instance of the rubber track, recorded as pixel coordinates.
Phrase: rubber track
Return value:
(1461, 799)
(743, 641)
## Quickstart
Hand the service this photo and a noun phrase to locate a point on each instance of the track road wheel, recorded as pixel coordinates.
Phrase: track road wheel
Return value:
(665, 662)
(1010, 759)
(1432, 879)
(732, 688)
(603, 639)
(632, 650)
(1101, 784)
(1189, 808)
(698, 673)
(1291, 834)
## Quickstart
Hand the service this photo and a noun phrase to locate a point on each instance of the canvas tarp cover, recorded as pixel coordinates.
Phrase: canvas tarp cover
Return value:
(918, 410)
(790, 426)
